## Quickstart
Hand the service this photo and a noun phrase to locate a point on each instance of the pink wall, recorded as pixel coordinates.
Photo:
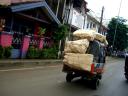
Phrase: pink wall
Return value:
(25, 46)
(41, 43)
(6, 39)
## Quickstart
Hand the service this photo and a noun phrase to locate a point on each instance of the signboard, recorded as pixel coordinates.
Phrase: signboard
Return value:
(77, 19)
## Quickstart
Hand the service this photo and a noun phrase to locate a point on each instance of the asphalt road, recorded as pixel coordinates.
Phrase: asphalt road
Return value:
(50, 81)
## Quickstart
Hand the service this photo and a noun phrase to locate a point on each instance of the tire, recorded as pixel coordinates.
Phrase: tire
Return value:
(100, 76)
(126, 76)
(95, 83)
(126, 67)
(69, 77)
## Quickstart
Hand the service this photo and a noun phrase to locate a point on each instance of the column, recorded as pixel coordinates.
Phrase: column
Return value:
(41, 43)
(25, 46)
(6, 39)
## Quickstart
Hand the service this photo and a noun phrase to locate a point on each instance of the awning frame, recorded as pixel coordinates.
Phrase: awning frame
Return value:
(42, 4)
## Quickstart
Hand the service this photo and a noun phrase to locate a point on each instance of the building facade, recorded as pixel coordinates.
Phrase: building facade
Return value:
(78, 16)
(20, 23)
(93, 22)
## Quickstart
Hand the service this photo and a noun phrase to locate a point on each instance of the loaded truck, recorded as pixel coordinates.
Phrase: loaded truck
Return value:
(88, 65)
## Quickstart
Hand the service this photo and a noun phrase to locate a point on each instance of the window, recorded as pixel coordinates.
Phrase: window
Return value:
(90, 24)
(94, 25)
(87, 25)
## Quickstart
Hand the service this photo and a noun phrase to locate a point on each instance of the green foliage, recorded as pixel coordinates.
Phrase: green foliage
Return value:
(48, 53)
(1, 52)
(33, 53)
(121, 39)
(5, 52)
(41, 31)
(61, 32)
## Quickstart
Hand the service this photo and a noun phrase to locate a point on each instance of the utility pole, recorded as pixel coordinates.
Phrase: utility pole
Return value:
(63, 11)
(60, 42)
(116, 26)
(70, 16)
(101, 19)
(58, 5)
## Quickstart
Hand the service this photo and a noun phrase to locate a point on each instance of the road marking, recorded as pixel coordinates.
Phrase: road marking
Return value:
(19, 69)
(59, 81)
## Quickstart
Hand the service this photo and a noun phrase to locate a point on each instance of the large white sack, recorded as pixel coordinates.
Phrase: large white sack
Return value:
(78, 61)
(84, 34)
(105, 42)
(100, 37)
(78, 46)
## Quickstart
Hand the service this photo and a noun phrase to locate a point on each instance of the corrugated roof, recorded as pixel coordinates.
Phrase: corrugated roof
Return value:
(10, 2)
(21, 5)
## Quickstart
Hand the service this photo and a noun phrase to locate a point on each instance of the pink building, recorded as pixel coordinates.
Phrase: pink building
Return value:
(20, 21)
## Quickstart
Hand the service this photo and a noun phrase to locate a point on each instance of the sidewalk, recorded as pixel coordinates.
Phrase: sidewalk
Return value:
(17, 63)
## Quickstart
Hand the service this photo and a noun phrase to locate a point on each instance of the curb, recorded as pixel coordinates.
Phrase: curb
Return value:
(17, 63)
(28, 63)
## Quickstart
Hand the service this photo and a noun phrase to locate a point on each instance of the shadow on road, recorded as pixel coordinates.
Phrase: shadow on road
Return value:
(77, 84)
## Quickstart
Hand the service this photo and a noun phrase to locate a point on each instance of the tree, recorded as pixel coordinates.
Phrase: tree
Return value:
(60, 33)
(121, 36)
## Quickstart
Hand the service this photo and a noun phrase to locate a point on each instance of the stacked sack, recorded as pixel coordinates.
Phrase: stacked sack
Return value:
(78, 61)
(75, 51)
(77, 46)
(90, 35)
(101, 38)
(84, 34)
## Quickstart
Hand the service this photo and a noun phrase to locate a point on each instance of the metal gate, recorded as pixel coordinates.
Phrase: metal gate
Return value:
(17, 44)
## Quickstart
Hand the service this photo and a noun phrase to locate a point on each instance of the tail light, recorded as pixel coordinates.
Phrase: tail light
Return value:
(92, 68)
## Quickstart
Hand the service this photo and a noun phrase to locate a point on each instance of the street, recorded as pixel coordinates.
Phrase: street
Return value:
(50, 81)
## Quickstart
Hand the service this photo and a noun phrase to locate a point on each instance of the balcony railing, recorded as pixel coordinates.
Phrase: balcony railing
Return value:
(34, 41)
(48, 42)
(17, 40)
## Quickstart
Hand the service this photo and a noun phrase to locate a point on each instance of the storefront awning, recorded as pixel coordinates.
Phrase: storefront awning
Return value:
(43, 5)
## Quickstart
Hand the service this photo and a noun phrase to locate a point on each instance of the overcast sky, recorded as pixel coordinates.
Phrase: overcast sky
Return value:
(111, 7)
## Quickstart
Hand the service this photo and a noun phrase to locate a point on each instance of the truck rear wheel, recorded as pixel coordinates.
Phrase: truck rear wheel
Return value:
(69, 77)
(95, 83)
(126, 76)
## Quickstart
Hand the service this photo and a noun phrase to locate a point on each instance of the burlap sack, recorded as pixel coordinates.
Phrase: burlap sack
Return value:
(78, 61)
(100, 37)
(78, 46)
(105, 42)
(84, 34)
